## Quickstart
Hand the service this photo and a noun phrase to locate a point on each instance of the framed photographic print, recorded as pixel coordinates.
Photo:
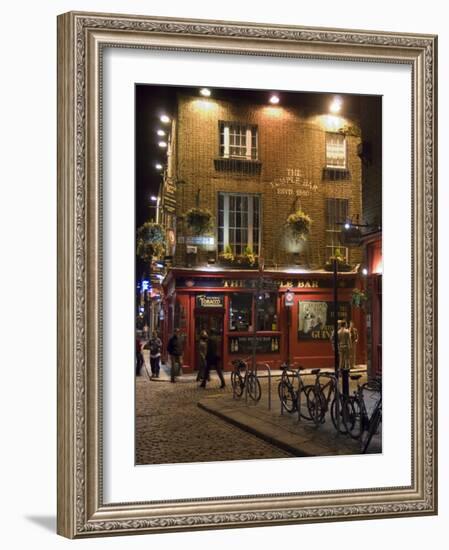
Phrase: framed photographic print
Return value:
(247, 274)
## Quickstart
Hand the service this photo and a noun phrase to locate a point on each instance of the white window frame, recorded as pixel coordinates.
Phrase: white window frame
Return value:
(335, 231)
(251, 130)
(345, 155)
(250, 227)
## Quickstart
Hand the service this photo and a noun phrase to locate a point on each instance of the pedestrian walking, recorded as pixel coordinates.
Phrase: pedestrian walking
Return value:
(354, 335)
(155, 345)
(202, 352)
(139, 357)
(213, 360)
(175, 349)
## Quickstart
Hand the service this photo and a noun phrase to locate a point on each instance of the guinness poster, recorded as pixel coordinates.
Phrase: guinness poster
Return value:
(316, 319)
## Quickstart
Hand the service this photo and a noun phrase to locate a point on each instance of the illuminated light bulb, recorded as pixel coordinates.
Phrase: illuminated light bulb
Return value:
(165, 119)
(205, 92)
(336, 105)
(274, 99)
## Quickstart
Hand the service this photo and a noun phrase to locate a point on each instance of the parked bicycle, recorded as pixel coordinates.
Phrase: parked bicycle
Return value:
(325, 396)
(248, 380)
(359, 423)
(291, 394)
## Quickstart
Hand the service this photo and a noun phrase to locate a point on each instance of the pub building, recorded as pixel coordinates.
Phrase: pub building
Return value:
(250, 162)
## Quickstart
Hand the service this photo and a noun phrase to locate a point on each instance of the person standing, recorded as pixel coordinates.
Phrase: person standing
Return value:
(202, 353)
(139, 357)
(354, 334)
(344, 345)
(213, 360)
(155, 345)
(174, 349)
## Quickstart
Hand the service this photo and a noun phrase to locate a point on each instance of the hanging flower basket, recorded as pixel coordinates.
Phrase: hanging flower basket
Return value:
(341, 265)
(150, 241)
(359, 298)
(299, 224)
(199, 220)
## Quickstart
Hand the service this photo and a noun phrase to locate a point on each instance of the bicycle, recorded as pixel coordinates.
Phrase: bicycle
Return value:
(248, 380)
(359, 419)
(321, 395)
(290, 396)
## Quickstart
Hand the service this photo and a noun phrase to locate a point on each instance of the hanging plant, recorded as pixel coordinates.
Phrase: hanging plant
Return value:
(342, 265)
(150, 241)
(350, 130)
(299, 224)
(199, 220)
(358, 298)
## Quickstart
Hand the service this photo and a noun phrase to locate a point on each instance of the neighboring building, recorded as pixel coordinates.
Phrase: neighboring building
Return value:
(371, 155)
(252, 165)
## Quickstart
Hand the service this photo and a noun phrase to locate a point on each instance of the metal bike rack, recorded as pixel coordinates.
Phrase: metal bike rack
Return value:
(266, 366)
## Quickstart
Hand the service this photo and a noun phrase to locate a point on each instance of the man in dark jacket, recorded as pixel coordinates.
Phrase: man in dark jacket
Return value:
(174, 349)
(213, 360)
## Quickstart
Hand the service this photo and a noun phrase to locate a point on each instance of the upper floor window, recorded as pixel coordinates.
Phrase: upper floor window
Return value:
(238, 141)
(238, 222)
(337, 212)
(335, 150)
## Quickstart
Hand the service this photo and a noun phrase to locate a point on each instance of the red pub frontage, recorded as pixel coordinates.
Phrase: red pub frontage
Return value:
(240, 305)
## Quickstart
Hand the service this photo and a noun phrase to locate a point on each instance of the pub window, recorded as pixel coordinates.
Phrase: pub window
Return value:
(335, 150)
(240, 312)
(266, 312)
(337, 211)
(238, 140)
(238, 222)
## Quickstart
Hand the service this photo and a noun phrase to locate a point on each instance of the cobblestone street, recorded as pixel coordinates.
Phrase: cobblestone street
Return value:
(171, 428)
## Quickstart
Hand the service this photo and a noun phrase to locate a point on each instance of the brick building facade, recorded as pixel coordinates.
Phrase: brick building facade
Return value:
(252, 165)
(289, 171)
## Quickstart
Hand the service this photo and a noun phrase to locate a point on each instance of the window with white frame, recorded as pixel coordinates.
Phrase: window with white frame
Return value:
(337, 211)
(335, 150)
(238, 140)
(239, 222)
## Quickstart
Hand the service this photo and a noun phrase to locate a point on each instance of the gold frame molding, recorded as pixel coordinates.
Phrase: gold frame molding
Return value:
(81, 39)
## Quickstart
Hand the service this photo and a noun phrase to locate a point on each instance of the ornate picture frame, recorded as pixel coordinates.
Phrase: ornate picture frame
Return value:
(82, 511)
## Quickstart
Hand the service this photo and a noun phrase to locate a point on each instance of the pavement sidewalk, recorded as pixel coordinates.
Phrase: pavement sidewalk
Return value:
(300, 438)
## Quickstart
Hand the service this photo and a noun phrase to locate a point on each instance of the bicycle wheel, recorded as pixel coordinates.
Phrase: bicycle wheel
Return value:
(305, 390)
(236, 383)
(373, 428)
(342, 429)
(352, 417)
(287, 397)
(315, 405)
(254, 389)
